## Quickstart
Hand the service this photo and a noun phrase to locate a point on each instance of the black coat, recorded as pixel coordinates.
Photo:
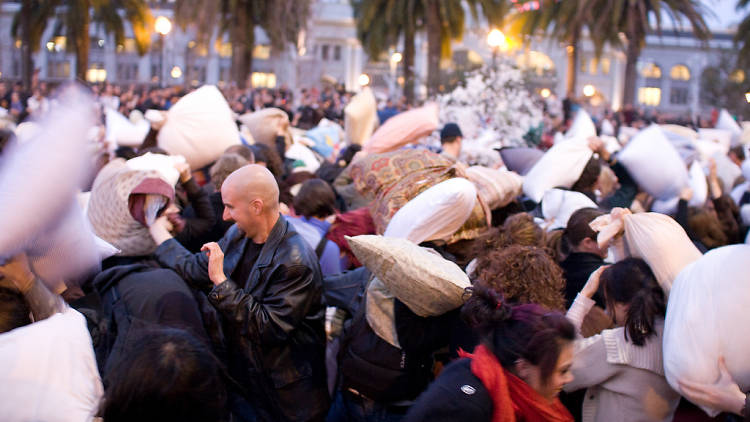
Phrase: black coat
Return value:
(577, 268)
(457, 395)
(273, 321)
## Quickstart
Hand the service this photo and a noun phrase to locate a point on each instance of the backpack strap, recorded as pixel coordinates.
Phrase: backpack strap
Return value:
(321, 245)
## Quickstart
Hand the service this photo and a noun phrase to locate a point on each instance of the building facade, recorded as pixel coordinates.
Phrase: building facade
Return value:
(670, 65)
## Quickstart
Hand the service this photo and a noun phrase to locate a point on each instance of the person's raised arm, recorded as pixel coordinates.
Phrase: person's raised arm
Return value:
(43, 303)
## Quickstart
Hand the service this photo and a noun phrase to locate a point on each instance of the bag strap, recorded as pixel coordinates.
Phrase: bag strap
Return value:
(322, 244)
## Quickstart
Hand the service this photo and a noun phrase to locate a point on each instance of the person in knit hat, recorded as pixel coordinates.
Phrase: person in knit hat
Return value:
(450, 141)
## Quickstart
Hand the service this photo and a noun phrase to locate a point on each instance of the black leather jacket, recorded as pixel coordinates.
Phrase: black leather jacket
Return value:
(273, 321)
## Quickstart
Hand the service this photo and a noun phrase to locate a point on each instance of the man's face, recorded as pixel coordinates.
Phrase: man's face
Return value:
(237, 208)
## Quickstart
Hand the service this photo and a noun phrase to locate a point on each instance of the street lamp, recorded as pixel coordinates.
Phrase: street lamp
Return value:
(747, 97)
(163, 26)
(589, 90)
(395, 59)
(496, 40)
(363, 80)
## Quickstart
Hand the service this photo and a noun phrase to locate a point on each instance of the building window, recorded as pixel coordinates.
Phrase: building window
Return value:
(224, 49)
(57, 68)
(593, 66)
(678, 95)
(263, 80)
(605, 65)
(738, 76)
(127, 71)
(262, 52)
(651, 71)
(324, 51)
(337, 53)
(679, 72)
(649, 96)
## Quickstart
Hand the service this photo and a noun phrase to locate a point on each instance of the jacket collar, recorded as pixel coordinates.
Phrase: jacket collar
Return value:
(277, 234)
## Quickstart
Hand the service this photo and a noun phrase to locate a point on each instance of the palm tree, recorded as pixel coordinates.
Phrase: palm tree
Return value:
(563, 20)
(633, 19)
(74, 18)
(381, 22)
(282, 20)
(742, 36)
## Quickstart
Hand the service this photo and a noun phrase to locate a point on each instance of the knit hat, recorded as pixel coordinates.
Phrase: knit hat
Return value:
(450, 130)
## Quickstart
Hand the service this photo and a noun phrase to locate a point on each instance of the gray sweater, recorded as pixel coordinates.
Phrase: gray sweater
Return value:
(625, 382)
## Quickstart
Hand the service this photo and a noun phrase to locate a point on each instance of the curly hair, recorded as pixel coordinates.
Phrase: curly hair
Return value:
(523, 274)
(518, 229)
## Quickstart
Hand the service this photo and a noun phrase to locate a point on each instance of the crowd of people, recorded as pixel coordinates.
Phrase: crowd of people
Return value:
(234, 294)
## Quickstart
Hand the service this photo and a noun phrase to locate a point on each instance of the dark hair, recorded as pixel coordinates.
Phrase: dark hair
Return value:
(525, 274)
(738, 151)
(224, 166)
(265, 154)
(315, 199)
(706, 228)
(242, 150)
(631, 281)
(578, 227)
(165, 374)
(589, 176)
(527, 331)
(448, 140)
(14, 311)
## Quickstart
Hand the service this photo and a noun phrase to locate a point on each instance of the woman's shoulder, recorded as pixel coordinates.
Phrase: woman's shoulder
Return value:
(457, 394)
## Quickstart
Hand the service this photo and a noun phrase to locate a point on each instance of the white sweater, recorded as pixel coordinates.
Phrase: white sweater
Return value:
(625, 382)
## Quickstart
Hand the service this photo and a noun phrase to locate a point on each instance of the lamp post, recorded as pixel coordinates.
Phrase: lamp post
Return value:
(496, 40)
(163, 26)
(747, 97)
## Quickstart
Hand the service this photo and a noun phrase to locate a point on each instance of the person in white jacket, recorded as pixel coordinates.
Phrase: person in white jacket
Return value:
(622, 367)
(48, 370)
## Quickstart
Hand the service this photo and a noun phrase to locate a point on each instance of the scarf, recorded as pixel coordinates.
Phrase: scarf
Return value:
(512, 398)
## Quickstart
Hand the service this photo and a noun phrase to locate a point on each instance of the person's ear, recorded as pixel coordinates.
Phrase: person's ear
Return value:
(257, 206)
(522, 368)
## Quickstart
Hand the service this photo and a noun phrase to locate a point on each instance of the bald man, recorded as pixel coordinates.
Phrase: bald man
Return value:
(265, 282)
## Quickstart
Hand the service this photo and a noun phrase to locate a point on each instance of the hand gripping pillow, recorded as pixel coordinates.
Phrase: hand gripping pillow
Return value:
(706, 318)
(497, 188)
(561, 166)
(425, 282)
(360, 117)
(200, 126)
(403, 128)
(436, 213)
(654, 163)
(655, 238)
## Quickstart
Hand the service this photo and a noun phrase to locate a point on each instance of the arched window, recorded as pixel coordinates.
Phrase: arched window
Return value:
(536, 62)
(679, 72)
(651, 71)
(738, 76)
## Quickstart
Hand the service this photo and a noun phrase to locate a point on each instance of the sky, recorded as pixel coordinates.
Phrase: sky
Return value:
(725, 12)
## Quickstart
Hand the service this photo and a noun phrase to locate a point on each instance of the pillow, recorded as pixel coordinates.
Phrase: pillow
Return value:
(520, 160)
(39, 181)
(707, 309)
(497, 188)
(561, 166)
(200, 127)
(420, 278)
(360, 117)
(558, 205)
(582, 126)
(653, 237)
(654, 163)
(122, 131)
(403, 128)
(263, 125)
(436, 213)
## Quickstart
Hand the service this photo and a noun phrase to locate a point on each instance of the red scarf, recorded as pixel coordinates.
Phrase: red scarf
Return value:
(512, 398)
